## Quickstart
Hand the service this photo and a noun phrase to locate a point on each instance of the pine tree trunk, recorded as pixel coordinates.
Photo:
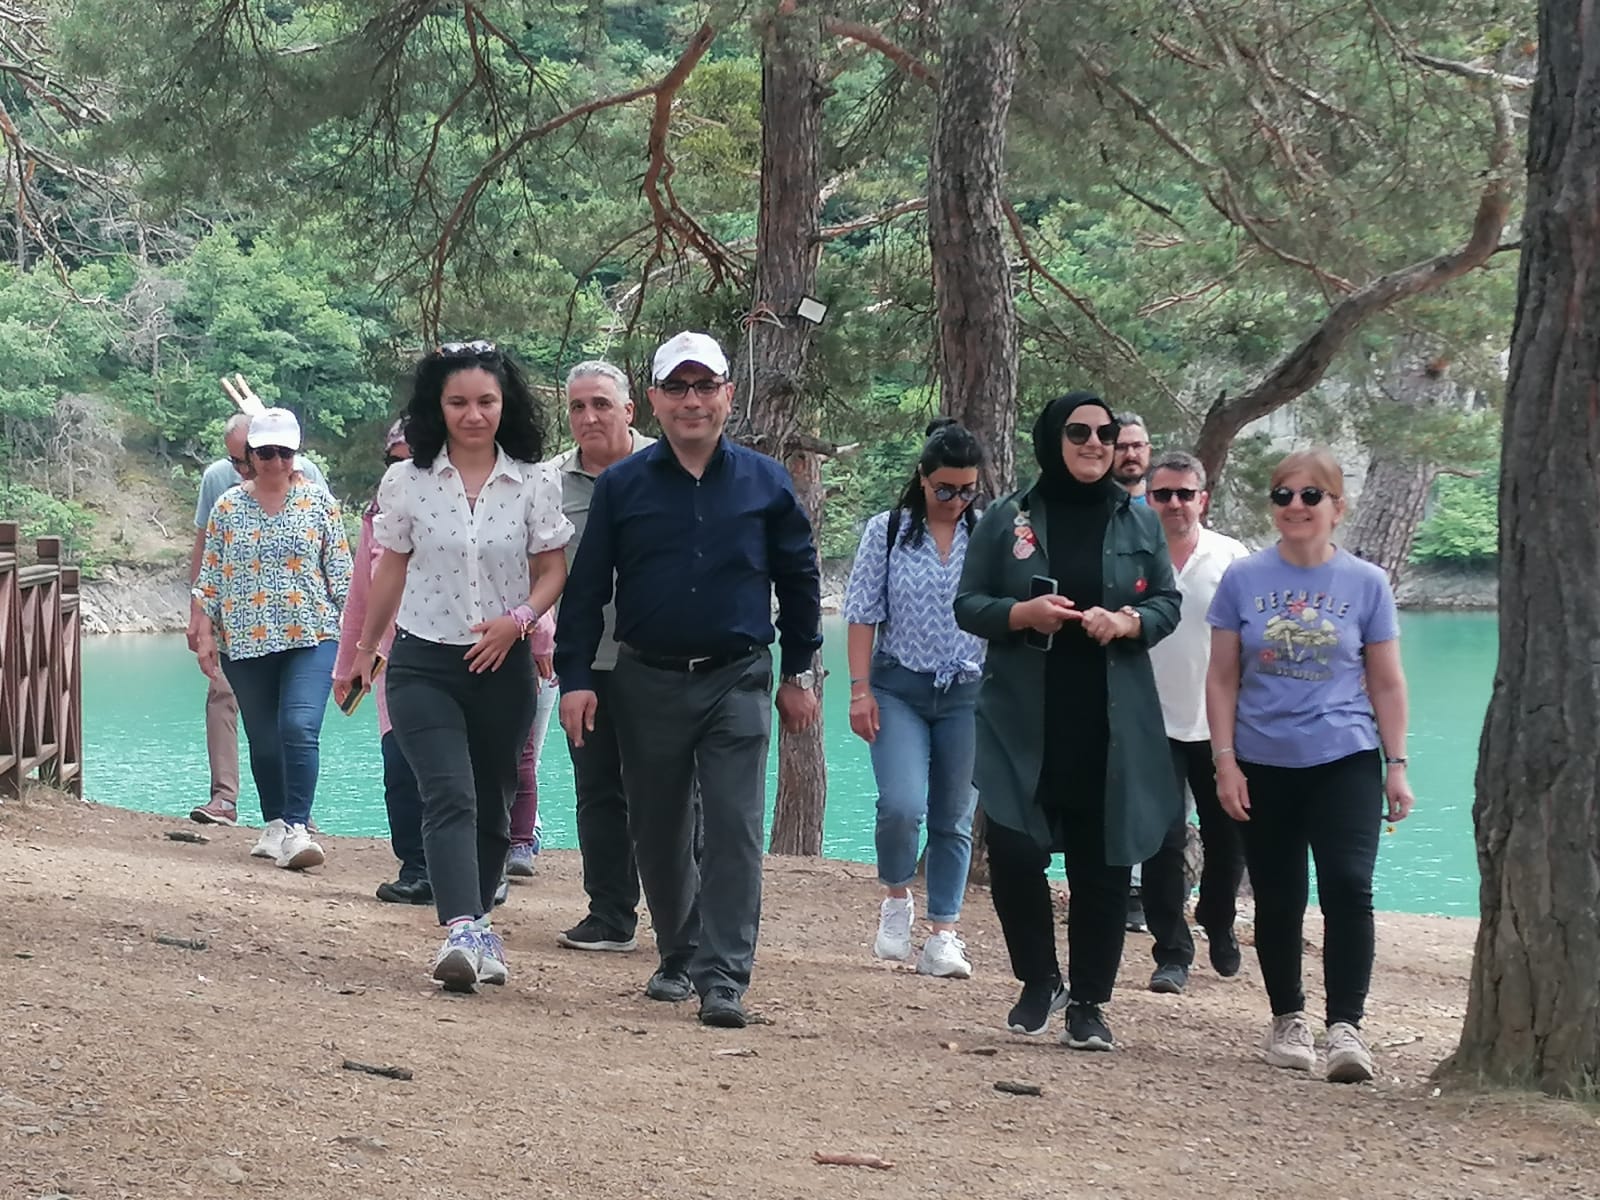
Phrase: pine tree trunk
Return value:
(967, 230)
(1400, 473)
(967, 233)
(1394, 499)
(1532, 1018)
(787, 249)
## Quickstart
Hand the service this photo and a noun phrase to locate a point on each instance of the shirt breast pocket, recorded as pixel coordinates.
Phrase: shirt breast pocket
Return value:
(1132, 573)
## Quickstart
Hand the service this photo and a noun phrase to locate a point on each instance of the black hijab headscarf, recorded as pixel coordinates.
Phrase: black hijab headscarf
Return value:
(1057, 484)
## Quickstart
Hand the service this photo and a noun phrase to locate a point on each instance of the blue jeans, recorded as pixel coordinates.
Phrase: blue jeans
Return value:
(922, 759)
(282, 697)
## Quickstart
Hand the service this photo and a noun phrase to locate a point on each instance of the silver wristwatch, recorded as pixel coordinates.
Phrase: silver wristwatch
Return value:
(806, 679)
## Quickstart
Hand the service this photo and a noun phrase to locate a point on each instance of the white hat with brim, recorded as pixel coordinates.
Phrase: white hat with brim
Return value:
(688, 347)
(274, 427)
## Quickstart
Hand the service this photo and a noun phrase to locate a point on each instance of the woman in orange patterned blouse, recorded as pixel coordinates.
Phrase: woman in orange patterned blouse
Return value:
(273, 580)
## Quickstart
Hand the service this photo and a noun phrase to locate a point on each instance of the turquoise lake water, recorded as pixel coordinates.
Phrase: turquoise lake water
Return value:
(144, 703)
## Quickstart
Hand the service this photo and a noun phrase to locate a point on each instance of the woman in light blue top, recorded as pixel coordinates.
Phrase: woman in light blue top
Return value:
(913, 686)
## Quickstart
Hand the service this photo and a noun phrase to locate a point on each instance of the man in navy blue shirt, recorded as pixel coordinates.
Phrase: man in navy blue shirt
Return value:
(697, 535)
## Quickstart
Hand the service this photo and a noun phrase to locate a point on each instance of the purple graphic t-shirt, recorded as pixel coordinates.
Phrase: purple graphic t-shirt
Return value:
(1302, 695)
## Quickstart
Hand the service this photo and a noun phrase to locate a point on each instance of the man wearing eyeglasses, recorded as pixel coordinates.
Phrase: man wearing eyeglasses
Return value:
(698, 534)
(1177, 493)
(222, 710)
(1130, 459)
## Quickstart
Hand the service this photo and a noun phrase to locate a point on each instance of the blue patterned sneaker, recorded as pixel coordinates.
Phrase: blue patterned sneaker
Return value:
(492, 967)
(521, 862)
(459, 962)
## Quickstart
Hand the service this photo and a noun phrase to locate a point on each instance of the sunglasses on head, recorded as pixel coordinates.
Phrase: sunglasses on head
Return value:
(1078, 433)
(1163, 495)
(704, 388)
(268, 453)
(477, 349)
(948, 492)
(1309, 496)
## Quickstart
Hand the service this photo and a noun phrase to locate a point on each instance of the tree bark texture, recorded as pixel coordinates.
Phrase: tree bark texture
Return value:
(1400, 473)
(977, 316)
(787, 250)
(1532, 1017)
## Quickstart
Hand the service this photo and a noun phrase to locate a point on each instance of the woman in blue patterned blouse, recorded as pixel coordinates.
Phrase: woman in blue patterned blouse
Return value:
(913, 686)
(274, 579)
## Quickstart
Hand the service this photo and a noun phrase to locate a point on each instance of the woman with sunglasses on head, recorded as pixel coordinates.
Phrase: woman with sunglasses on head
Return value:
(273, 578)
(1307, 704)
(913, 683)
(1071, 584)
(472, 531)
(400, 796)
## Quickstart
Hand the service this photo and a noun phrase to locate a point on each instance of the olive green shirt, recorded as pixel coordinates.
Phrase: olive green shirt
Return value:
(577, 493)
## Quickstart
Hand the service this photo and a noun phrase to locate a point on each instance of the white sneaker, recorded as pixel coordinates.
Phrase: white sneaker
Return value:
(459, 962)
(945, 955)
(1349, 1060)
(298, 851)
(895, 915)
(1290, 1044)
(492, 963)
(270, 843)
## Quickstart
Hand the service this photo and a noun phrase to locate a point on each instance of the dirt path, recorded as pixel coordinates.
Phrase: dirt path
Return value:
(131, 1068)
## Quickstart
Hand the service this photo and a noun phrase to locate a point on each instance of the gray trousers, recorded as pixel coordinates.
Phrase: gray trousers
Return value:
(463, 736)
(674, 727)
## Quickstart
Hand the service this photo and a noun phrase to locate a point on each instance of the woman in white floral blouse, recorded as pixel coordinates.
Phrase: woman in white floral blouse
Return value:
(472, 531)
(273, 580)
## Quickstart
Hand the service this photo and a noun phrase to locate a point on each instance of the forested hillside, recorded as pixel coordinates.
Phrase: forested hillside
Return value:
(1208, 209)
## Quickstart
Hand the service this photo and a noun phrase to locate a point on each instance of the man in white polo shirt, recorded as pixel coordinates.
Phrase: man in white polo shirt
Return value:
(1176, 490)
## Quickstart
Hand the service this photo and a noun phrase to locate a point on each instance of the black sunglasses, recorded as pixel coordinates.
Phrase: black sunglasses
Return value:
(268, 453)
(1309, 496)
(1078, 433)
(948, 492)
(1163, 495)
(477, 349)
(389, 460)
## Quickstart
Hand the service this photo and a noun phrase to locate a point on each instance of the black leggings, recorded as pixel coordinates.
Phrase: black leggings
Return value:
(1096, 917)
(1336, 810)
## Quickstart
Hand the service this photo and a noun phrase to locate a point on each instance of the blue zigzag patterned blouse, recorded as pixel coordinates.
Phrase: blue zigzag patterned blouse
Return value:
(909, 594)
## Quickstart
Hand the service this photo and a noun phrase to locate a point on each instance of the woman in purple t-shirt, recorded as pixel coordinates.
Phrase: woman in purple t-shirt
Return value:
(1307, 705)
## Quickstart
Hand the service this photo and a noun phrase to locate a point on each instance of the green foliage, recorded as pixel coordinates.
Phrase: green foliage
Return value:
(1463, 529)
(39, 514)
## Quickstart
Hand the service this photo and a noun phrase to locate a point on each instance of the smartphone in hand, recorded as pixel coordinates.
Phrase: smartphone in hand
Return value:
(360, 687)
(1040, 585)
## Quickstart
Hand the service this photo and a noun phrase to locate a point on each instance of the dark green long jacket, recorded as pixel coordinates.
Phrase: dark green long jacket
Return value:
(1142, 794)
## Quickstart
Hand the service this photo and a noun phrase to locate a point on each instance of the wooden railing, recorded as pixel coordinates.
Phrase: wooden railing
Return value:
(41, 672)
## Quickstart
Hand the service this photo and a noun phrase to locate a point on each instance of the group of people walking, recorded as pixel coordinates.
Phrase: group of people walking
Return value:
(1071, 659)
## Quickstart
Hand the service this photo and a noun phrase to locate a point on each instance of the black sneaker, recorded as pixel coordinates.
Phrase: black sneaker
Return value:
(1031, 1013)
(1087, 1029)
(721, 1007)
(1136, 922)
(1225, 957)
(670, 983)
(503, 892)
(1170, 979)
(406, 891)
(592, 933)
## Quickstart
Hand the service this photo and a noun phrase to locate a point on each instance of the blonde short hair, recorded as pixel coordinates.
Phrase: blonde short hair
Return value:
(1318, 463)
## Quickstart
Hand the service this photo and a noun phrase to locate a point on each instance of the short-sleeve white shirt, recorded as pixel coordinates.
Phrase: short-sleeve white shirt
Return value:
(1181, 658)
(469, 564)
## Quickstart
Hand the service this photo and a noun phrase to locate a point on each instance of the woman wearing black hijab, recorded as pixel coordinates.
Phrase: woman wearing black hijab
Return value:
(1071, 585)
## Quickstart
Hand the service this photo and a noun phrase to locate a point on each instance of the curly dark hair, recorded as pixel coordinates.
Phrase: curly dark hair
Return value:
(949, 444)
(521, 428)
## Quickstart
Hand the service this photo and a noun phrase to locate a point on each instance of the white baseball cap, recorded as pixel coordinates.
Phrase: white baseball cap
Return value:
(273, 427)
(688, 347)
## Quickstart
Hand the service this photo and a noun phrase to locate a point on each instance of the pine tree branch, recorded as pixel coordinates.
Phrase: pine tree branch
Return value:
(668, 216)
(1305, 365)
(908, 62)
